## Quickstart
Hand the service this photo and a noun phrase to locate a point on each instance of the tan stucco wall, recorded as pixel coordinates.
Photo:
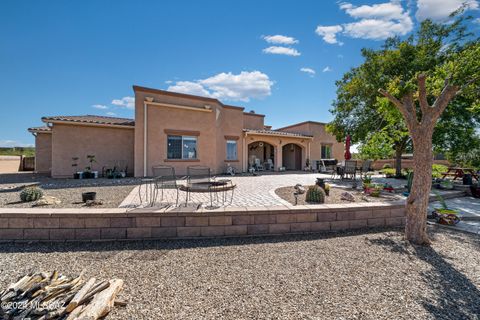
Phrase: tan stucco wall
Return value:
(320, 137)
(43, 152)
(212, 127)
(9, 164)
(107, 144)
(253, 121)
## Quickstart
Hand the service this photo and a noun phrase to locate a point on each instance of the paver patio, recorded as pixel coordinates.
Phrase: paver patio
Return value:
(254, 191)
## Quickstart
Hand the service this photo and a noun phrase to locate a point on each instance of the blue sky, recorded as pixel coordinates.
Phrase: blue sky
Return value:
(280, 58)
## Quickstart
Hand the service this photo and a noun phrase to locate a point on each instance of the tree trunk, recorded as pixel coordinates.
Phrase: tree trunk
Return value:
(398, 161)
(417, 202)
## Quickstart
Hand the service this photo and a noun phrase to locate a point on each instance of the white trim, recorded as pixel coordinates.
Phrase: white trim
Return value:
(177, 106)
(145, 139)
(277, 135)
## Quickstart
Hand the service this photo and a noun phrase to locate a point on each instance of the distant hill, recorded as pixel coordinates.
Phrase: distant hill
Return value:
(17, 151)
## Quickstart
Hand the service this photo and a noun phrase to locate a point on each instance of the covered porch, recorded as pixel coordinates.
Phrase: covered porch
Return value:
(269, 150)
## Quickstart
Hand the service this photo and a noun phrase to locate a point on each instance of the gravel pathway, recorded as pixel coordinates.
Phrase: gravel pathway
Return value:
(110, 191)
(333, 276)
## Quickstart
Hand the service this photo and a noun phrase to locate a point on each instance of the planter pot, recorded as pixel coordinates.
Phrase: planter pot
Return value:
(88, 196)
(76, 175)
(88, 175)
(467, 179)
(475, 191)
(320, 182)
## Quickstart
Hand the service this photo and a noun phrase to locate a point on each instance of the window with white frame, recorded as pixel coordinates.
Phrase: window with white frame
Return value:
(181, 147)
(232, 150)
(326, 152)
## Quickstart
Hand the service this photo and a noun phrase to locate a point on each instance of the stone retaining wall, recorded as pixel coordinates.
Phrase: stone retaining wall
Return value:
(118, 224)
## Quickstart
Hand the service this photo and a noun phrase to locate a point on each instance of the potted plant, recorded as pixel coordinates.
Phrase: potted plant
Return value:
(444, 215)
(307, 165)
(76, 174)
(89, 174)
(376, 191)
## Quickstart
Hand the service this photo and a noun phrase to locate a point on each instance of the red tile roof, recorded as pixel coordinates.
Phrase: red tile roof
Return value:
(40, 129)
(92, 119)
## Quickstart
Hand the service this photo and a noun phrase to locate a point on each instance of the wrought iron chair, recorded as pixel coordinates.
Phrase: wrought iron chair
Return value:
(350, 170)
(199, 179)
(365, 168)
(165, 178)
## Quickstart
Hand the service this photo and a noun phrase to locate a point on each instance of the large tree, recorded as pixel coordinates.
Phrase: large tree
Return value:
(359, 111)
(421, 105)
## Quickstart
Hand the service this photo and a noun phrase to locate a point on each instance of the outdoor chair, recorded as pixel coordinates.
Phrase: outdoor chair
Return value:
(258, 165)
(165, 178)
(350, 170)
(365, 168)
(269, 164)
(199, 179)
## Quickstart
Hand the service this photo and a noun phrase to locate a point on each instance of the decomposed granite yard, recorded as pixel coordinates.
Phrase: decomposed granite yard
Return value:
(349, 275)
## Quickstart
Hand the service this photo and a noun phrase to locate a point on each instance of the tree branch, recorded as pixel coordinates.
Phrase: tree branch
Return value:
(401, 107)
(422, 94)
(447, 94)
(410, 106)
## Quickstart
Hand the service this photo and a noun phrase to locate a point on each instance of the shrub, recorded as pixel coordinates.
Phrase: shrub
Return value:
(31, 194)
(438, 169)
(315, 194)
(387, 166)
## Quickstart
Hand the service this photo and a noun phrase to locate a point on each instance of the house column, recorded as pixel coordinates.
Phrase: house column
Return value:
(278, 157)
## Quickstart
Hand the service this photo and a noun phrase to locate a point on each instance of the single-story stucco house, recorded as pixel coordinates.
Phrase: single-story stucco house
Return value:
(179, 130)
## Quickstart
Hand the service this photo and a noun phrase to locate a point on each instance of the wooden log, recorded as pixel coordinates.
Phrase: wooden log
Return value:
(80, 294)
(120, 303)
(75, 313)
(102, 302)
(99, 287)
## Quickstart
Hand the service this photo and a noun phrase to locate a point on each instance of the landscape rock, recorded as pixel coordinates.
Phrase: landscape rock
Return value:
(47, 201)
(92, 203)
(348, 196)
(300, 189)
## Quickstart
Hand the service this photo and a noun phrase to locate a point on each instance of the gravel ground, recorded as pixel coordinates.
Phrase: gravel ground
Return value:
(110, 191)
(286, 193)
(357, 275)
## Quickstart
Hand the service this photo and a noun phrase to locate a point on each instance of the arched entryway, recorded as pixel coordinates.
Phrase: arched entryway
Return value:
(261, 156)
(292, 156)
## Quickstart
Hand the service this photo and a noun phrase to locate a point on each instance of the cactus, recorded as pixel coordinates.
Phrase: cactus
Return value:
(31, 194)
(315, 194)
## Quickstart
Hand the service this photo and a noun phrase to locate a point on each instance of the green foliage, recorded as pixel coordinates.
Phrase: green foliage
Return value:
(438, 169)
(18, 151)
(315, 194)
(438, 50)
(377, 146)
(31, 194)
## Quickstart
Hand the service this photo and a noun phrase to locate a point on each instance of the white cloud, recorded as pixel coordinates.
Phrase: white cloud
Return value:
(13, 143)
(432, 9)
(310, 71)
(228, 86)
(168, 81)
(189, 87)
(329, 33)
(281, 50)
(340, 56)
(376, 22)
(279, 39)
(99, 106)
(111, 113)
(128, 102)
(477, 21)
(327, 69)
